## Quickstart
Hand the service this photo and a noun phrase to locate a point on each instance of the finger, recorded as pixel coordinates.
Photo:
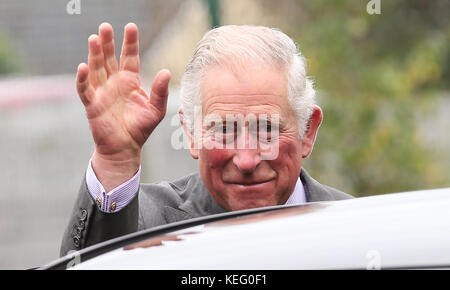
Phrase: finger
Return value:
(129, 58)
(84, 88)
(106, 34)
(97, 71)
(160, 90)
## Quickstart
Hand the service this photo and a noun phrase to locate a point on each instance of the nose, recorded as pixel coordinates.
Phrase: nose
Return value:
(247, 156)
(246, 160)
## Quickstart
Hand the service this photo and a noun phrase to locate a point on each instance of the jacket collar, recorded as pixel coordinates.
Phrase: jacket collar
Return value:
(314, 191)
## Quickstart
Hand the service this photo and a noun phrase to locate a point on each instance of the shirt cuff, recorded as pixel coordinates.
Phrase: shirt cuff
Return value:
(117, 198)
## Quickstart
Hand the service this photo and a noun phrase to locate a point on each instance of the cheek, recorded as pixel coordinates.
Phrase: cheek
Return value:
(214, 158)
(289, 154)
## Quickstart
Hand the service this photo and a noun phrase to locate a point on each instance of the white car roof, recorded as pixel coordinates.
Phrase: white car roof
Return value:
(403, 230)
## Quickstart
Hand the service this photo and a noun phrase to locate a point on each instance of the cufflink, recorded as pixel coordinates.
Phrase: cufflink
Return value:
(99, 202)
(112, 207)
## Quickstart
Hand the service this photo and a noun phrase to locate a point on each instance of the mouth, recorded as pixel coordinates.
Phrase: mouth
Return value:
(250, 184)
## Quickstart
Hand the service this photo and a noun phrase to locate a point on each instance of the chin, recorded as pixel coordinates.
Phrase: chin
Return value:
(248, 204)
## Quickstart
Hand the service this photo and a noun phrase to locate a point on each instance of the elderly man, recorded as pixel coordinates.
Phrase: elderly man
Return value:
(248, 87)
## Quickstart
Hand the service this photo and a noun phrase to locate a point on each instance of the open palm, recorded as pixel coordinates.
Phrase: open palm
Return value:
(121, 115)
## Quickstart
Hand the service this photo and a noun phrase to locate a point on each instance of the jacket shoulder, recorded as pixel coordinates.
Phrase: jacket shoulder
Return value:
(169, 193)
(337, 194)
(316, 191)
(162, 202)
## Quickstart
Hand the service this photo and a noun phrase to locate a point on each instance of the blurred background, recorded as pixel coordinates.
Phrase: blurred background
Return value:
(382, 80)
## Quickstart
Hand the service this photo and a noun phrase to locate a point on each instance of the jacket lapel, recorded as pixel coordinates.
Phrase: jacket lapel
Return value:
(314, 191)
(175, 215)
(199, 202)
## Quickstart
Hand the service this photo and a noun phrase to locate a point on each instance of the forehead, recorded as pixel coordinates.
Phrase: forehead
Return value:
(255, 89)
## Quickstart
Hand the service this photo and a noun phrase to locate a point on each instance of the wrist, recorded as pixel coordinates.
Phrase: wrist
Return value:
(113, 170)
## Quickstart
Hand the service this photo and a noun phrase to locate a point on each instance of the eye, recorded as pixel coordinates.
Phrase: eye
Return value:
(228, 128)
(268, 131)
(228, 132)
(265, 127)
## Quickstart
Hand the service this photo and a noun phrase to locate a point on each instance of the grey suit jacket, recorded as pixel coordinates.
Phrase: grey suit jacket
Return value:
(158, 204)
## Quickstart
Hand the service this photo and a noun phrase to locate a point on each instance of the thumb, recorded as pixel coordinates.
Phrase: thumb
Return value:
(160, 90)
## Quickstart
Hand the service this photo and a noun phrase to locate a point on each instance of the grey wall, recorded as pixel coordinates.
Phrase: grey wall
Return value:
(45, 143)
(50, 41)
(44, 151)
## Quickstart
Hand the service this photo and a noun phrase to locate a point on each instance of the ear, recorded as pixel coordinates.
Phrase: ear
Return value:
(311, 131)
(190, 139)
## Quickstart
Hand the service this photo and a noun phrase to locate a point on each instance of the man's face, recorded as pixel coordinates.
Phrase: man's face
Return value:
(240, 177)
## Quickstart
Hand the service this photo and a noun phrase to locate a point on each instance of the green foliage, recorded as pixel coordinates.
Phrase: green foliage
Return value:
(378, 76)
(8, 59)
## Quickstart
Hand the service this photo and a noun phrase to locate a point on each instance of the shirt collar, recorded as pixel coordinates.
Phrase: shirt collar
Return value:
(298, 195)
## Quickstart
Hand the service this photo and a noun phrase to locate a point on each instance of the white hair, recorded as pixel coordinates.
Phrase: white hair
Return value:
(233, 44)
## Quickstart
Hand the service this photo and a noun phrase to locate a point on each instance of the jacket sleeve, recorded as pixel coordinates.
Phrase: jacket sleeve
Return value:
(88, 225)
